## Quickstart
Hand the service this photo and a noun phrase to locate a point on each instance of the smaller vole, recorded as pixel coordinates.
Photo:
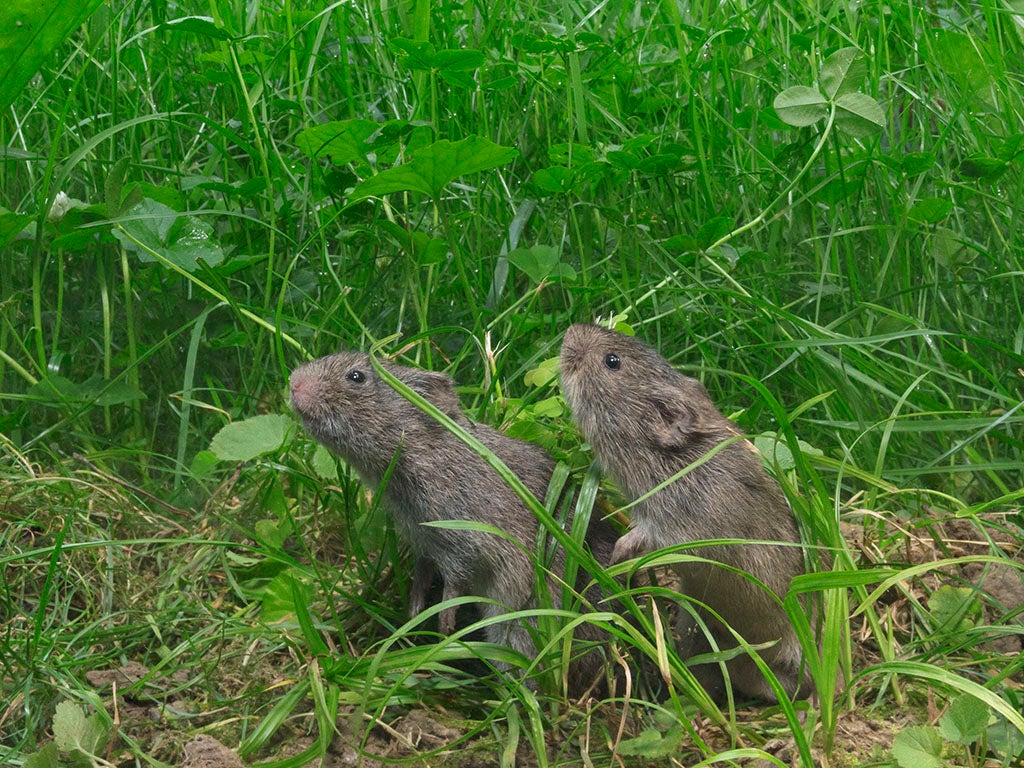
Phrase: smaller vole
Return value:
(348, 407)
(646, 422)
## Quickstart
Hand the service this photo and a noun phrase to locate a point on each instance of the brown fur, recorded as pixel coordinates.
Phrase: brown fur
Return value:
(646, 422)
(437, 477)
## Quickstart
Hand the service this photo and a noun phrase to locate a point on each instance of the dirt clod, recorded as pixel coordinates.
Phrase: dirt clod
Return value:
(206, 752)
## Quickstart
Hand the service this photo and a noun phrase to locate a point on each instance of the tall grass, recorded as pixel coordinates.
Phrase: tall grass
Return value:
(859, 298)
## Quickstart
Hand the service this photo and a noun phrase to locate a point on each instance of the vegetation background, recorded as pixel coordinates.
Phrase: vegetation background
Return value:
(813, 207)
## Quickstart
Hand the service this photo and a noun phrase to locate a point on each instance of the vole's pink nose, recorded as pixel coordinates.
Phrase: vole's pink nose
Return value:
(303, 390)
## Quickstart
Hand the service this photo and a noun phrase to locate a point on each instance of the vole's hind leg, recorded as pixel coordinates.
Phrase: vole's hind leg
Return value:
(693, 641)
(422, 578)
(446, 618)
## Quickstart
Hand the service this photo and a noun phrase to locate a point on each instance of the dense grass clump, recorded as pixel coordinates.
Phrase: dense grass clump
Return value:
(814, 209)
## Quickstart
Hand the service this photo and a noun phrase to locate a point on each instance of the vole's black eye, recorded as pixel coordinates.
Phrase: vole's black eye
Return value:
(612, 361)
(356, 375)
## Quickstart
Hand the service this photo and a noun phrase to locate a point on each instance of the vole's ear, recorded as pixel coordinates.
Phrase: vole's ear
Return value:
(675, 424)
(680, 417)
(438, 388)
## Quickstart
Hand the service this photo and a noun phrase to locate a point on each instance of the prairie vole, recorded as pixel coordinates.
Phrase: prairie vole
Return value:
(348, 407)
(646, 422)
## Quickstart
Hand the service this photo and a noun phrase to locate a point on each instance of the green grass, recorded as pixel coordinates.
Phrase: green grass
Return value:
(860, 294)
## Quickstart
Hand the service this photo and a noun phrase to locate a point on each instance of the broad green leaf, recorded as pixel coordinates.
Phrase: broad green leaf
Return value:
(713, 230)
(541, 262)
(113, 185)
(203, 464)
(571, 154)
(965, 720)
(74, 732)
(625, 159)
(843, 72)
(69, 728)
(247, 439)
(683, 243)
(458, 60)
(454, 65)
(104, 393)
(545, 373)
(279, 596)
(500, 84)
(152, 227)
(660, 164)
(272, 533)
(776, 452)
(11, 224)
(30, 30)
(918, 747)
(435, 166)
(171, 196)
(954, 609)
(621, 324)
(800, 106)
(930, 210)
(652, 744)
(549, 407)
(191, 239)
(424, 249)
(914, 163)
(458, 78)
(324, 465)
(531, 43)
(1012, 147)
(47, 757)
(949, 249)
(859, 115)
(556, 180)
(981, 167)
(96, 390)
(960, 57)
(1005, 740)
(96, 734)
(414, 54)
(342, 141)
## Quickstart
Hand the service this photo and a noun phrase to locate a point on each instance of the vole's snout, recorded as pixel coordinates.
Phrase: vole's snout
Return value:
(304, 390)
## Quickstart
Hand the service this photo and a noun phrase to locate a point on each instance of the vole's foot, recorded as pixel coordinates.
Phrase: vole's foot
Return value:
(446, 621)
(422, 578)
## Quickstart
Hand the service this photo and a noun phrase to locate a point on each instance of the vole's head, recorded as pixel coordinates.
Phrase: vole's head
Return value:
(347, 406)
(624, 395)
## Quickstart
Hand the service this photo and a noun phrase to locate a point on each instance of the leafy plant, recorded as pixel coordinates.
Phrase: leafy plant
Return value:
(837, 97)
(967, 723)
(77, 739)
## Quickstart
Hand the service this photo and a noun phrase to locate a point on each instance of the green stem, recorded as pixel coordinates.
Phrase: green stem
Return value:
(133, 365)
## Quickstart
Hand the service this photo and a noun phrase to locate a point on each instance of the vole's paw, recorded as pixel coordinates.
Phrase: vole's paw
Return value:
(627, 547)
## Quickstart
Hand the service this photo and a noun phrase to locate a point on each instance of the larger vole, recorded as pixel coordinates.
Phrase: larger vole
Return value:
(646, 422)
(348, 407)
